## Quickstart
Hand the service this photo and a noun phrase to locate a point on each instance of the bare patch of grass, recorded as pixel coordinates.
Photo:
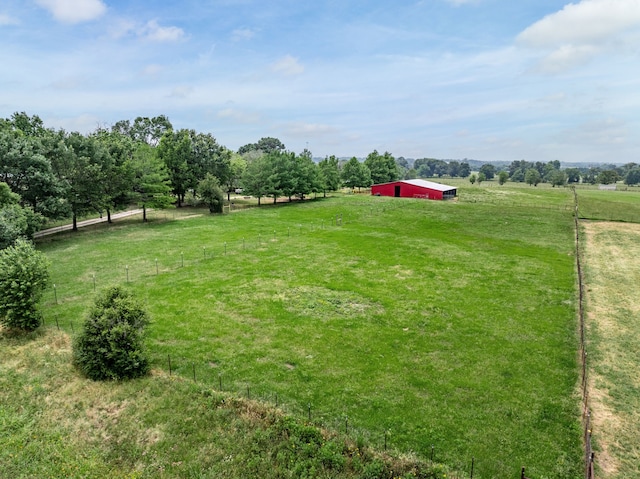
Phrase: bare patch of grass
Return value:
(613, 321)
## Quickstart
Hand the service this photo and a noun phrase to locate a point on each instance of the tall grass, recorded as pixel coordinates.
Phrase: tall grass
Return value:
(442, 324)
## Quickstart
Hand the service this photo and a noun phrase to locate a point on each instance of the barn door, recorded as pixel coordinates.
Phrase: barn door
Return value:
(396, 193)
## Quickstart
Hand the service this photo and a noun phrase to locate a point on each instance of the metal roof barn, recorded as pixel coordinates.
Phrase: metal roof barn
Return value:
(415, 189)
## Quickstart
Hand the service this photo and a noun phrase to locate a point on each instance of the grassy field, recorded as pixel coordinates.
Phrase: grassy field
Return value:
(56, 424)
(610, 205)
(446, 324)
(613, 288)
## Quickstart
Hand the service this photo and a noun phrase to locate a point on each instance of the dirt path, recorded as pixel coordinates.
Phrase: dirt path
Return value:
(81, 224)
(612, 266)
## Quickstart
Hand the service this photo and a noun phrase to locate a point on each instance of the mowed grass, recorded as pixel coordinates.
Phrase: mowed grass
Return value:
(446, 324)
(613, 321)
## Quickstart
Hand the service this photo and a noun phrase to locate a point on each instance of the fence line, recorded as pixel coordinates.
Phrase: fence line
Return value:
(589, 459)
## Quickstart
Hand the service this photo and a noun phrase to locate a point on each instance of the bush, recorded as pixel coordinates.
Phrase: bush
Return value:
(24, 273)
(111, 345)
(211, 193)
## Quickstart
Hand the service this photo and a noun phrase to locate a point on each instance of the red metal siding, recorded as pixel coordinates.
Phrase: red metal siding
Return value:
(406, 191)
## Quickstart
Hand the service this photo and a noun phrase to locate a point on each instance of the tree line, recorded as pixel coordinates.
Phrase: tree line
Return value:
(53, 174)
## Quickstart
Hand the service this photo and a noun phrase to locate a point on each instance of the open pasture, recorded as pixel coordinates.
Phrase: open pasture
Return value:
(613, 321)
(445, 324)
(610, 205)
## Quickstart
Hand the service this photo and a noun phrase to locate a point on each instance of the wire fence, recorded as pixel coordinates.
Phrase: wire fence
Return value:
(586, 411)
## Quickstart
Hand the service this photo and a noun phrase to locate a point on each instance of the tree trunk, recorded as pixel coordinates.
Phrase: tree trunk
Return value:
(259, 200)
(109, 216)
(228, 196)
(75, 222)
(144, 213)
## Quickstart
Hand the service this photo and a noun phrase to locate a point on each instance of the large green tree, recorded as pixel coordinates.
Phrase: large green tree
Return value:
(383, 168)
(15, 221)
(237, 167)
(489, 171)
(144, 129)
(118, 189)
(532, 177)
(82, 166)
(282, 174)
(175, 151)
(151, 186)
(356, 174)
(256, 177)
(25, 164)
(573, 175)
(557, 178)
(633, 176)
(24, 273)
(307, 175)
(266, 145)
(330, 174)
(608, 177)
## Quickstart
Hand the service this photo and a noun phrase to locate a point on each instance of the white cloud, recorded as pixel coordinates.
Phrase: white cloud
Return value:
(181, 92)
(240, 116)
(152, 70)
(607, 131)
(242, 34)
(587, 22)
(581, 31)
(74, 11)
(8, 20)
(82, 123)
(154, 32)
(302, 129)
(457, 3)
(288, 65)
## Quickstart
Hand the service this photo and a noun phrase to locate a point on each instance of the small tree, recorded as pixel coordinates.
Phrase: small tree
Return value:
(532, 177)
(503, 176)
(481, 177)
(557, 178)
(24, 273)
(111, 345)
(211, 193)
(472, 178)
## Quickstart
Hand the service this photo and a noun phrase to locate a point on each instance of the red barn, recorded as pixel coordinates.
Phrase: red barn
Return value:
(415, 189)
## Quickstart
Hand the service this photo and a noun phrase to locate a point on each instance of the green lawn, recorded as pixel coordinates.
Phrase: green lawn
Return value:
(449, 324)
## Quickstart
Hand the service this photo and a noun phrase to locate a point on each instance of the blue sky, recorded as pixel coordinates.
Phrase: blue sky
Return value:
(491, 80)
